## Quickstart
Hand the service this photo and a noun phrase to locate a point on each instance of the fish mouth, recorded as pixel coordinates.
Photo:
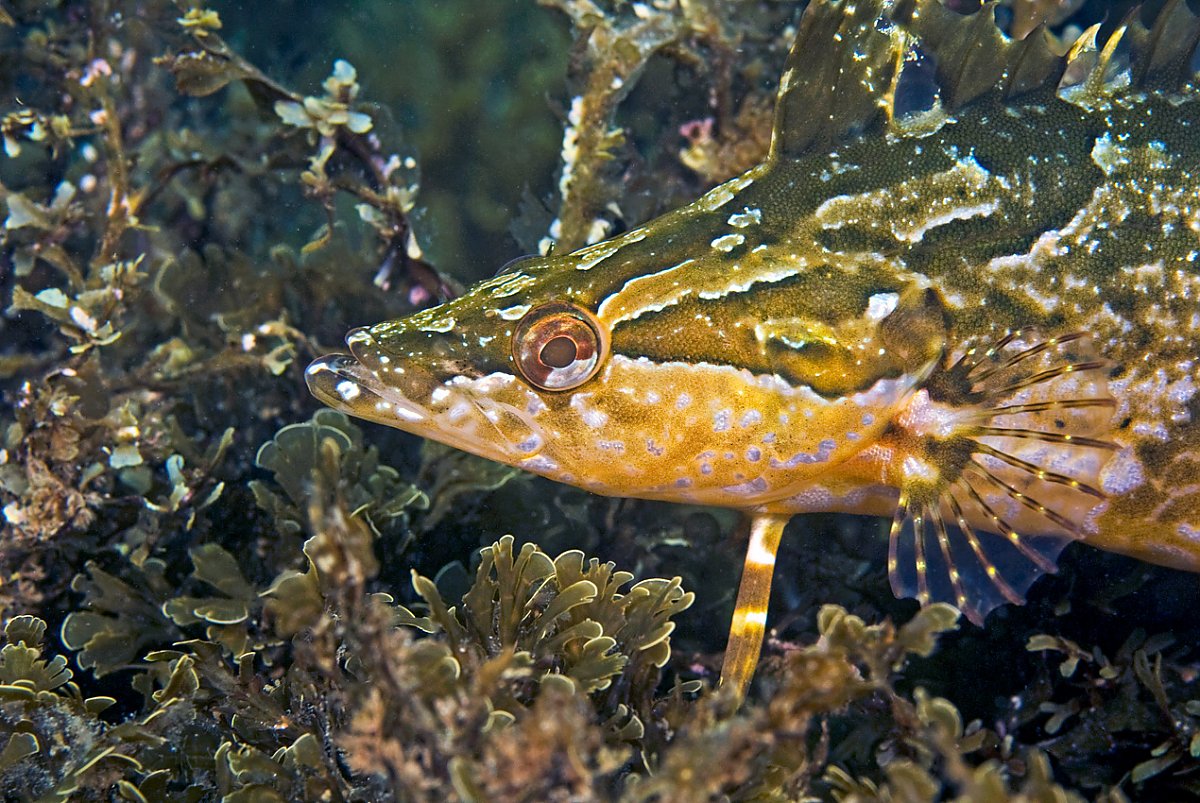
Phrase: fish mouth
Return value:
(376, 385)
(354, 383)
(343, 383)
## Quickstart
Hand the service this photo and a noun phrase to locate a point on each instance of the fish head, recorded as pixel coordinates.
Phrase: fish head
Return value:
(540, 370)
(449, 372)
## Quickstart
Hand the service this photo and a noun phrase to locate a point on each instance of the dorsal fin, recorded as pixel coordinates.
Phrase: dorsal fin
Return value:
(974, 56)
(843, 69)
(842, 72)
(1162, 54)
(840, 76)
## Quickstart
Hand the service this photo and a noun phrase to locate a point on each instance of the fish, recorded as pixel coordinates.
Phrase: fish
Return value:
(978, 316)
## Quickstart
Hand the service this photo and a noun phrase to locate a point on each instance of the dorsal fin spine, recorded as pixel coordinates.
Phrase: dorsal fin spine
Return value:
(1163, 53)
(844, 68)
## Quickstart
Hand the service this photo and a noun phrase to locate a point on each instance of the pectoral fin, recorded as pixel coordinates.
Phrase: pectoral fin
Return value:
(998, 462)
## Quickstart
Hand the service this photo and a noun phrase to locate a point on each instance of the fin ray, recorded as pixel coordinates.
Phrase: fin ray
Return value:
(1042, 407)
(1005, 530)
(1007, 591)
(1001, 469)
(1029, 502)
(1045, 475)
(1048, 437)
(840, 76)
(1162, 54)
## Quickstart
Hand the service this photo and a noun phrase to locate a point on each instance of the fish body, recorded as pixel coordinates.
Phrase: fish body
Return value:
(980, 319)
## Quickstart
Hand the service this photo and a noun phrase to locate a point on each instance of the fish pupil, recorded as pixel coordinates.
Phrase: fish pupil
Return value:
(559, 352)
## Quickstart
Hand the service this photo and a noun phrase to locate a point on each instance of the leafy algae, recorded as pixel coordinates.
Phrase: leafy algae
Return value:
(267, 602)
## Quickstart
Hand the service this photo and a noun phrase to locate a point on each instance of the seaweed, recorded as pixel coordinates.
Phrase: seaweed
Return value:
(614, 44)
(212, 590)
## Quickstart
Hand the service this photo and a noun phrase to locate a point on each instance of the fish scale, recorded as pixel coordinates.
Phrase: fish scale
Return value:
(979, 319)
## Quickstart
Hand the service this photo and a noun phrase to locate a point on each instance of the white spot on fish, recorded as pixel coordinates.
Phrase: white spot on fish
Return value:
(514, 313)
(512, 284)
(728, 242)
(751, 488)
(750, 418)
(918, 469)
(590, 415)
(720, 195)
(485, 385)
(755, 618)
(408, 414)
(769, 277)
(349, 391)
(721, 420)
(824, 449)
(758, 552)
(439, 325)
(541, 464)
(747, 217)
(1109, 156)
(916, 233)
(1123, 473)
(881, 305)
(634, 288)
(594, 255)
(1155, 430)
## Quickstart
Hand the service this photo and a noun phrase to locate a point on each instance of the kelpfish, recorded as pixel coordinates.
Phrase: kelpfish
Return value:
(978, 316)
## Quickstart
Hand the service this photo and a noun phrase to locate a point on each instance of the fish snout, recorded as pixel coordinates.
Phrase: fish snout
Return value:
(372, 384)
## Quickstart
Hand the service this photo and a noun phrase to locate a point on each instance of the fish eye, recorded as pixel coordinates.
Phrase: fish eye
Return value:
(559, 352)
(557, 346)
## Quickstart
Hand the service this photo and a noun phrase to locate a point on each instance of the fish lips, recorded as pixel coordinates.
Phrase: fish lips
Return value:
(355, 383)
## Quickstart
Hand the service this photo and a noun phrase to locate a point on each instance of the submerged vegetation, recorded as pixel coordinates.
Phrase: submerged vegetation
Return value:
(212, 590)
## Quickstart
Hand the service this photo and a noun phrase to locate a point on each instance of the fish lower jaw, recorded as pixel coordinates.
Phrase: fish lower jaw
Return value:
(341, 382)
(452, 416)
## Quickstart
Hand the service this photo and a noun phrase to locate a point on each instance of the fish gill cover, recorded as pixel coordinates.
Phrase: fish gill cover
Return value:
(212, 590)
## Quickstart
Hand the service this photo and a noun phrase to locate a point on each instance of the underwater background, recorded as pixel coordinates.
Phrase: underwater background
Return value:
(213, 590)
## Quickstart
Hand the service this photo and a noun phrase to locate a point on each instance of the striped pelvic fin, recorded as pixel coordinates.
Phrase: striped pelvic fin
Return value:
(749, 623)
(999, 469)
